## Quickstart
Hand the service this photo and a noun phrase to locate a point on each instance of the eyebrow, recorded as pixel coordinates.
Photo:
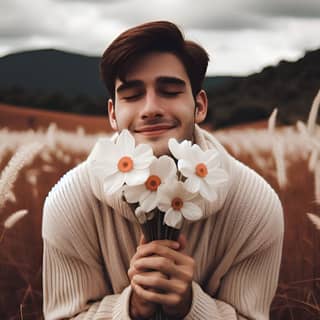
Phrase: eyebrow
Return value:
(171, 80)
(163, 80)
(129, 85)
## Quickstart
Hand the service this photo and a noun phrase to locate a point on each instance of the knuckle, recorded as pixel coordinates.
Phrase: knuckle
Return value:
(154, 247)
(182, 288)
(162, 263)
(189, 276)
(191, 262)
(176, 299)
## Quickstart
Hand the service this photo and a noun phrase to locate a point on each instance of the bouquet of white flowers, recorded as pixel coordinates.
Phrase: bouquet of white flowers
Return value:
(162, 192)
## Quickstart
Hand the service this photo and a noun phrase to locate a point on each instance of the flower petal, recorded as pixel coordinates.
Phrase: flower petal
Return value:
(186, 167)
(208, 192)
(191, 211)
(150, 202)
(141, 215)
(113, 183)
(133, 193)
(104, 171)
(173, 218)
(165, 168)
(126, 142)
(179, 150)
(212, 157)
(143, 156)
(136, 177)
(192, 184)
(216, 177)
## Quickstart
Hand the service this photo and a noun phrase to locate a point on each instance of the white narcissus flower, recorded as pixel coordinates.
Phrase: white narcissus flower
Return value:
(143, 216)
(122, 162)
(201, 168)
(162, 170)
(175, 201)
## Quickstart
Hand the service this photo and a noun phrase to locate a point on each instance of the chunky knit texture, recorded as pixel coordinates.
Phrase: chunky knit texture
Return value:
(90, 239)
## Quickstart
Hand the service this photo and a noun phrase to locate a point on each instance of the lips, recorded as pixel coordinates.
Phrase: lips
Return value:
(154, 129)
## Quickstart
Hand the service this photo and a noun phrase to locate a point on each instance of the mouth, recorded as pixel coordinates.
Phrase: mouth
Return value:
(154, 130)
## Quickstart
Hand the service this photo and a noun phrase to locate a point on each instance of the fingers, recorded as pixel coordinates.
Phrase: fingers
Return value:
(157, 282)
(165, 299)
(182, 241)
(163, 248)
(166, 266)
(142, 240)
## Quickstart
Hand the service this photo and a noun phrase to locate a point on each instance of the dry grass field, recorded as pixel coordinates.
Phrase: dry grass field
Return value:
(35, 153)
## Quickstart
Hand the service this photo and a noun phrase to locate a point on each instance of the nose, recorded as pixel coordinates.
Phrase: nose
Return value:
(152, 107)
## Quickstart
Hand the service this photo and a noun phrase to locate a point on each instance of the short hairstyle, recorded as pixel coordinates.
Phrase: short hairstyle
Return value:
(157, 36)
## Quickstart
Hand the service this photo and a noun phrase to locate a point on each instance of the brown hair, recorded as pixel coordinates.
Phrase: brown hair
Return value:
(161, 36)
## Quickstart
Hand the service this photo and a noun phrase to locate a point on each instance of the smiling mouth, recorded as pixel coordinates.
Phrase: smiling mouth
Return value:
(154, 130)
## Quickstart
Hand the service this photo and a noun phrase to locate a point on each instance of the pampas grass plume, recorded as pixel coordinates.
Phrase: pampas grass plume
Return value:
(23, 156)
(272, 121)
(313, 114)
(14, 218)
(314, 219)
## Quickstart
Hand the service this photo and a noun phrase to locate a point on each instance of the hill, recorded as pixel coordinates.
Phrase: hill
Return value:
(288, 86)
(61, 81)
(51, 71)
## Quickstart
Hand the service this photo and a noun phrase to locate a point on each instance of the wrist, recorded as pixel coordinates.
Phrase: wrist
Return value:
(138, 310)
(180, 311)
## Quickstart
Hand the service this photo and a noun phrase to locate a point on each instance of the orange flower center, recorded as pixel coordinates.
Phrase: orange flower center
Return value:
(125, 164)
(201, 170)
(152, 183)
(177, 203)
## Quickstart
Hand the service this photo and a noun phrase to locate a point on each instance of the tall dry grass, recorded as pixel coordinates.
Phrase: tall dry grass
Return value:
(288, 157)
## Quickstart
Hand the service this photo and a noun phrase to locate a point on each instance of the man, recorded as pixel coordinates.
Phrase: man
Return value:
(97, 265)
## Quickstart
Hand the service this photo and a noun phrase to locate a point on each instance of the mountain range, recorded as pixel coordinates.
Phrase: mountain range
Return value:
(64, 81)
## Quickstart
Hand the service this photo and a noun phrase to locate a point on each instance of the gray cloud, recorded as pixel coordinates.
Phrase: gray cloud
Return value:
(286, 8)
(239, 35)
(188, 14)
(91, 1)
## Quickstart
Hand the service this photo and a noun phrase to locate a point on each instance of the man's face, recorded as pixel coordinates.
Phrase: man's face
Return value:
(156, 102)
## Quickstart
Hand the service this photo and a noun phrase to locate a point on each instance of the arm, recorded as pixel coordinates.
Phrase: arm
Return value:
(246, 292)
(75, 290)
(248, 272)
(75, 283)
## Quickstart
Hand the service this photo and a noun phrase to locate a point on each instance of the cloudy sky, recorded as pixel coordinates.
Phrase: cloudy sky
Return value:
(241, 36)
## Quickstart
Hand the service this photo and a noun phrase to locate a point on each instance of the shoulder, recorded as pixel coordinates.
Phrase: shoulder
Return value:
(69, 189)
(254, 206)
(68, 212)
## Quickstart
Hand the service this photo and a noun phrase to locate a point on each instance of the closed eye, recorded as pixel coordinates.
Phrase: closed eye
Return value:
(132, 97)
(171, 93)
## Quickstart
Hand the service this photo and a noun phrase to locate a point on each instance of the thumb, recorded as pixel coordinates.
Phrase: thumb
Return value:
(142, 240)
(183, 241)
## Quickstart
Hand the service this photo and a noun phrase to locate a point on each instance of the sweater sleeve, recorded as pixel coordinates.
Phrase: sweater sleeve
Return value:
(73, 289)
(248, 286)
(75, 284)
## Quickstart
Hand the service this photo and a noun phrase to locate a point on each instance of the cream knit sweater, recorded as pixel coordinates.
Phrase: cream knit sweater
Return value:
(89, 240)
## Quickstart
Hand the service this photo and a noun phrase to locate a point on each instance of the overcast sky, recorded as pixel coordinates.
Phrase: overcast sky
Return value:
(241, 36)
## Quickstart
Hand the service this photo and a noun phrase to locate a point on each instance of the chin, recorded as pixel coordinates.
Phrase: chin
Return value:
(160, 148)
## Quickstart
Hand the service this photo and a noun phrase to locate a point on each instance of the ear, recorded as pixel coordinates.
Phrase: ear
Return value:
(201, 106)
(112, 115)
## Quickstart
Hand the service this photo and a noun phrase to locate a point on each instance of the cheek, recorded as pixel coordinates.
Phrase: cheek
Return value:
(124, 117)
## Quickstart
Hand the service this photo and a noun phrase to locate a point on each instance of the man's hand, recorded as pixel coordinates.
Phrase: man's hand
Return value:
(139, 307)
(169, 283)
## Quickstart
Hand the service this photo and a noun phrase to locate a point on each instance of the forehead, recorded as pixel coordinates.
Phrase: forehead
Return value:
(151, 66)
